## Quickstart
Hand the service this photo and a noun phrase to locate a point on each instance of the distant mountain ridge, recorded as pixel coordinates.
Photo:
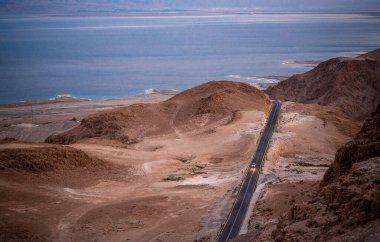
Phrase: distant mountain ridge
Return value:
(351, 84)
(55, 6)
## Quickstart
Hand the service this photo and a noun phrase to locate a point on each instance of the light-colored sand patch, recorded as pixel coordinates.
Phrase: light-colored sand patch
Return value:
(207, 180)
(77, 194)
(27, 125)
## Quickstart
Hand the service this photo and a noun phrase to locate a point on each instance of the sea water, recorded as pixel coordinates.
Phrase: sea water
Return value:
(110, 57)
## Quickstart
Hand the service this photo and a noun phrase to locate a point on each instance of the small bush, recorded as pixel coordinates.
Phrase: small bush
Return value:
(173, 178)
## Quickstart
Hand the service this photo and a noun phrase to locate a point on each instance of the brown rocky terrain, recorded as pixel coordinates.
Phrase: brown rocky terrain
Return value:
(343, 206)
(347, 206)
(206, 105)
(302, 148)
(351, 84)
(365, 145)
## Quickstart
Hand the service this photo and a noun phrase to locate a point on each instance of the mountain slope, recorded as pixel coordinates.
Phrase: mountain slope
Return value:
(372, 54)
(351, 84)
(347, 205)
(365, 145)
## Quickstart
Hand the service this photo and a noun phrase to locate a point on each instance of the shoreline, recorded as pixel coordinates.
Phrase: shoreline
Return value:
(259, 81)
(67, 98)
(35, 121)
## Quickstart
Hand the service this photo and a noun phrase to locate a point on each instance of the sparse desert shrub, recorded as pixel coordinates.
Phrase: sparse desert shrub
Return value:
(173, 178)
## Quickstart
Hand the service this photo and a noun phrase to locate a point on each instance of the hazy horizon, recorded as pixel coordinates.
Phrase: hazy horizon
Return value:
(117, 6)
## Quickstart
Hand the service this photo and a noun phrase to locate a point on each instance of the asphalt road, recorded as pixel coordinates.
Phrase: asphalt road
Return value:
(239, 210)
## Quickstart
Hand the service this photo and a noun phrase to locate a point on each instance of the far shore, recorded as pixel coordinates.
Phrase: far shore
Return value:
(36, 120)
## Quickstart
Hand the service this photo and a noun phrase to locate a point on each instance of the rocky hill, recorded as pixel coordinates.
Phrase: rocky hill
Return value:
(351, 84)
(207, 105)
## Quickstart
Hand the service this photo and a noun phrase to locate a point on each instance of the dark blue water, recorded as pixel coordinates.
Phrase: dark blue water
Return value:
(107, 57)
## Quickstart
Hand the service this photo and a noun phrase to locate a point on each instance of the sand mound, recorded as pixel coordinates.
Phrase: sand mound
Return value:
(351, 84)
(47, 159)
(205, 105)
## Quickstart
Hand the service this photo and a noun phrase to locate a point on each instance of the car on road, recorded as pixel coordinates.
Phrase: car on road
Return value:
(253, 165)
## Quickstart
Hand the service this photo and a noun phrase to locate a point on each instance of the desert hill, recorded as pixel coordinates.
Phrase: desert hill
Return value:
(207, 105)
(351, 84)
